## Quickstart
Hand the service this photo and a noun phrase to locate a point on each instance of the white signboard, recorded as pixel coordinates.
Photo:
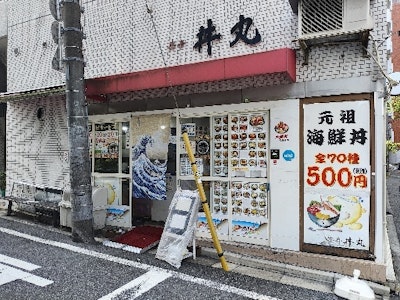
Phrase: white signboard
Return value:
(179, 227)
(337, 174)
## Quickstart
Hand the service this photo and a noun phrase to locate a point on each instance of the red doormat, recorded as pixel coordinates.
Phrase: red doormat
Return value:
(138, 239)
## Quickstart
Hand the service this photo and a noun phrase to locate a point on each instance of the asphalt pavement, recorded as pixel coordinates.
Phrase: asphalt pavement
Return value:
(312, 280)
(42, 263)
(393, 220)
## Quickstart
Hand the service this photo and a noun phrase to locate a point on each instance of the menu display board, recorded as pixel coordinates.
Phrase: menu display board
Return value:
(249, 210)
(219, 206)
(220, 138)
(239, 149)
(249, 199)
(238, 207)
(249, 145)
(220, 197)
(186, 166)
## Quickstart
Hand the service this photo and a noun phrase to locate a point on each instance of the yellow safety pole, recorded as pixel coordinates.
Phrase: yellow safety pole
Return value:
(204, 203)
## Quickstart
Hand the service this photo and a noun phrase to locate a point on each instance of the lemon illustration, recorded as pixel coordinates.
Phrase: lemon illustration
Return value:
(350, 213)
(110, 194)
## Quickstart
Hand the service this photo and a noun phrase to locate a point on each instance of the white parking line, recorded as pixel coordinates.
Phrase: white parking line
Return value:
(18, 263)
(5, 277)
(9, 274)
(140, 285)
(127, 262)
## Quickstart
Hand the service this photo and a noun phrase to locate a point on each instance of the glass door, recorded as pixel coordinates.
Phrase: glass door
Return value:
(109, 144)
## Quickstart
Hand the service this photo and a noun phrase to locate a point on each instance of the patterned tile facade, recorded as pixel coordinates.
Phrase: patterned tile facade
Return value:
(347, 60)
(30, 47)
(122, 38)
(205, 87)
(37, 148)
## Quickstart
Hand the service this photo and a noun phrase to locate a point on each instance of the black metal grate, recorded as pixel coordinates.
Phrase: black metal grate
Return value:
(320, 16)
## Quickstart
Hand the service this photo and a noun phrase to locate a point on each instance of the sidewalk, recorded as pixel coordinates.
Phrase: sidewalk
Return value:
(287, 274)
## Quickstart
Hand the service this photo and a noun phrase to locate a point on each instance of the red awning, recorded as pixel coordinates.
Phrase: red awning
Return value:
(271, 62)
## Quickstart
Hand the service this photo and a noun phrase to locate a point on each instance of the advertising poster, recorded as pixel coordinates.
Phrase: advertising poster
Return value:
(106, 140)
(190, 128)
(150, 138)
(116, 214)
(113, 188)
(337, 174)
(220, 136)
(220, 224)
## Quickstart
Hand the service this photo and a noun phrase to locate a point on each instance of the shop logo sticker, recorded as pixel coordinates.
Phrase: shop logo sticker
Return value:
(288, 155)
(281, 129)
(275, 154)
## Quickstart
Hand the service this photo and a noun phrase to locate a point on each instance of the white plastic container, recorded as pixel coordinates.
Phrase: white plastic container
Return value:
(353, 288)
(65, 213)
(99, 198)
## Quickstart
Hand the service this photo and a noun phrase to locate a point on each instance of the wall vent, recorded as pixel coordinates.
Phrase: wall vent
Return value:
(323, 18)
(334, 21)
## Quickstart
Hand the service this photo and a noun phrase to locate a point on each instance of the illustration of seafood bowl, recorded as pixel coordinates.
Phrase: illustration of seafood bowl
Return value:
(323, 213)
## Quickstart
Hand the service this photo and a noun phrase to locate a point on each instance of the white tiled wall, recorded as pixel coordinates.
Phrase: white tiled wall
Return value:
(134, 46)
(347, 59)
(122, 38)
(37, 150)
(29, 59)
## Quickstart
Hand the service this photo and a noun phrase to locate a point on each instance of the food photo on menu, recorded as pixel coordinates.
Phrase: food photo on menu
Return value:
(248, 145)
(220, 132)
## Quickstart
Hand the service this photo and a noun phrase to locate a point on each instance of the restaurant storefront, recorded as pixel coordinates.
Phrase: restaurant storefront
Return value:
(232, 146)
(288, 133)
(274, 174)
